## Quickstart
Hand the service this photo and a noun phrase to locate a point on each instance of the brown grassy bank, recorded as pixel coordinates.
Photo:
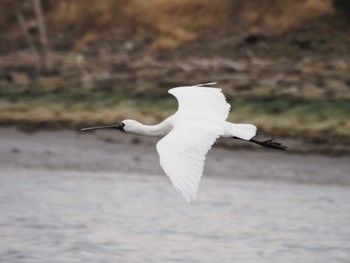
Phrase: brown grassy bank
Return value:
(80, 23)
(308, 119)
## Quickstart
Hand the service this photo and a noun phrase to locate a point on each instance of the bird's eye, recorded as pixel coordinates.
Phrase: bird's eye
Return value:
(123, 124)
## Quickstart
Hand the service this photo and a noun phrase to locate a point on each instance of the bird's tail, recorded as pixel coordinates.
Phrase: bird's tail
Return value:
(242, 131)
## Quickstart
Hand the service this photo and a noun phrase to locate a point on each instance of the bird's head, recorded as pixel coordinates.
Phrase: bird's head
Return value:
(132, 126)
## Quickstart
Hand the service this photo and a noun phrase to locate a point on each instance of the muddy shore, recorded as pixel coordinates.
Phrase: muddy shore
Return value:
(112, 151)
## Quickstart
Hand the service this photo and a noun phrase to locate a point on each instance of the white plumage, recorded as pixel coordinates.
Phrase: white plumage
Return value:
(189, 134)
(199, 121)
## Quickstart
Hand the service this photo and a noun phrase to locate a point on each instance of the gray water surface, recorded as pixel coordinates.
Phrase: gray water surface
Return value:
(67, 197)
(63, 216)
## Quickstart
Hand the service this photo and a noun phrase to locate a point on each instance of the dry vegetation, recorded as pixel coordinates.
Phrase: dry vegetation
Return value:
(272, 16)
(175, 21)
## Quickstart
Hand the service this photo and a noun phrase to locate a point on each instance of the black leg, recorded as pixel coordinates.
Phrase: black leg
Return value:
(268, 144)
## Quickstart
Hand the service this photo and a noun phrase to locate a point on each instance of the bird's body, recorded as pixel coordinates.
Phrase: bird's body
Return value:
(188, 135)
(242, 131)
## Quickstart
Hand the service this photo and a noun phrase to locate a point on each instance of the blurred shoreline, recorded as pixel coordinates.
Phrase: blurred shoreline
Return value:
(290, 86)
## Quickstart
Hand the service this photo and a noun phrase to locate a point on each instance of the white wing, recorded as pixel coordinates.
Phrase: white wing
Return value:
(198, 122)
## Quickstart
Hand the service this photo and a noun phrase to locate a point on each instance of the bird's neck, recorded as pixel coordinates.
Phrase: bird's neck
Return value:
(157, 130)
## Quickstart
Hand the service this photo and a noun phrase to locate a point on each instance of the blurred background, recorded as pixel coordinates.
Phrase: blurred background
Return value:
(96, 197)
(283, 64)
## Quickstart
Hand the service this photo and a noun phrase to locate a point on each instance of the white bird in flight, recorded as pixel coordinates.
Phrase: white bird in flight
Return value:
(189, 134)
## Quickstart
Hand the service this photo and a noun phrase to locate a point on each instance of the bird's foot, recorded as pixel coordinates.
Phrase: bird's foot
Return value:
(272, 144)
